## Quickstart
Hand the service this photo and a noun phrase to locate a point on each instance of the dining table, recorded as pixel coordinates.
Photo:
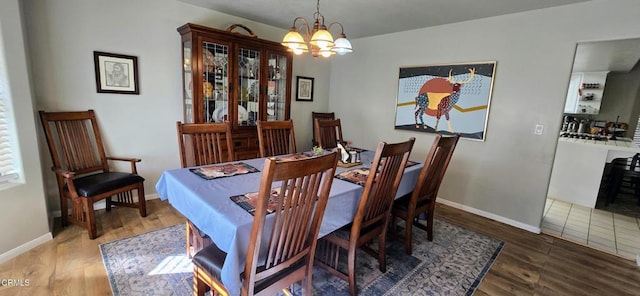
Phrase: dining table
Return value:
(206, 203)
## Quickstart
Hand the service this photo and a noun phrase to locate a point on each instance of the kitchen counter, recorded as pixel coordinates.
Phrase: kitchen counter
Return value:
(579, 165)
(621, 148)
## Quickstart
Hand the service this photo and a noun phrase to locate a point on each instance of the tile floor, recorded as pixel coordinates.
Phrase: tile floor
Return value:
(606, 231)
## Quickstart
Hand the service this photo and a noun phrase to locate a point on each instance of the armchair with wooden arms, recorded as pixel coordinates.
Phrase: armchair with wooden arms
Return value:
(423, 198)
(202, 144)
(281, 249)
(82, 171)
(372, 215)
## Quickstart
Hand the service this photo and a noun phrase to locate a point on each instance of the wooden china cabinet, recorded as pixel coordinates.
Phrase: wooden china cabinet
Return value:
(235, 77)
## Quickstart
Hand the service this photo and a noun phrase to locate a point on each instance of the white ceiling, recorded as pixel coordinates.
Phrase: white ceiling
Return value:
(362, 18)
(615, 55)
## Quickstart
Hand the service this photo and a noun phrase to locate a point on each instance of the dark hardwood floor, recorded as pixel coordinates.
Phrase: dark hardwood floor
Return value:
(529, 264)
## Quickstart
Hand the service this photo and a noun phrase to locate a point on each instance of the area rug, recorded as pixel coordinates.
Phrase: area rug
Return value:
(455, 262)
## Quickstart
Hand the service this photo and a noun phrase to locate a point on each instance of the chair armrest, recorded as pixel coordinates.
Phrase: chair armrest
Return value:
(63, 173)
(133, 161)
(67, 177)
(124, 159)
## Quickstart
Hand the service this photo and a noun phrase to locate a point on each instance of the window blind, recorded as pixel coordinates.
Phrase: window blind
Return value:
(7, 156)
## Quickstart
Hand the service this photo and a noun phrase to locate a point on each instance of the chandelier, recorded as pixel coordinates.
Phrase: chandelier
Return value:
(318, 38)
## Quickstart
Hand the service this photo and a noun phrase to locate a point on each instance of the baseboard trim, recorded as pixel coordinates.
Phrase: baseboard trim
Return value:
(102, 205)
(514, 223)
(4, 257)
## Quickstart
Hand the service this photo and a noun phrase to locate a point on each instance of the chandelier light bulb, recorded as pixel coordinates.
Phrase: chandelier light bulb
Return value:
(322, 38)
(342, 46)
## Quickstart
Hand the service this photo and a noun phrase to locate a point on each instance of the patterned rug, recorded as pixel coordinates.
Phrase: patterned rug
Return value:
(455, 262)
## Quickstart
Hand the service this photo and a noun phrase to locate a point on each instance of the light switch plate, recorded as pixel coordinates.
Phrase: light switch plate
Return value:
(539, 129)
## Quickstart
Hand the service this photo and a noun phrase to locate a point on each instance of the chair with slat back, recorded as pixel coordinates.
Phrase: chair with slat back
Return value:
(276, 138)
(82, 171)
(423, 198)
(372, 215)
(290, 242)
(202, 144)
(320, 116)
(328, 133)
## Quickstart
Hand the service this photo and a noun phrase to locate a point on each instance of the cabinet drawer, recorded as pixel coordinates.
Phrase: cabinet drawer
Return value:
(246, 154)
(240, 142)
(252, 142)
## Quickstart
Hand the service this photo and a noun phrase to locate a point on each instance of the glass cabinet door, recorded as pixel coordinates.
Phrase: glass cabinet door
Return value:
(248, 86)
(277, 87)
(215, 75)
(188, 84)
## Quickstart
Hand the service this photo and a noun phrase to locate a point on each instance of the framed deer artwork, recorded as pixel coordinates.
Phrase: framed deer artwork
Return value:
(445, 99)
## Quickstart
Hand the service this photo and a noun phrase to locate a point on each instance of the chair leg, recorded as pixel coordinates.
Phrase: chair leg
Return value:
(189, 241)
(199, 287)
(64, 210)
(90, 219)
(636, 181)
(108, 204)
(142, 205)
(393, 224)
(614, 186)
(382, 243)
(351, 263)
(408, 238)
(430, 225)
(307, 286)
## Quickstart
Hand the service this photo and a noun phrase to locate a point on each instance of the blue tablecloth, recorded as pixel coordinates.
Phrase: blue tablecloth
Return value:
(207, 205)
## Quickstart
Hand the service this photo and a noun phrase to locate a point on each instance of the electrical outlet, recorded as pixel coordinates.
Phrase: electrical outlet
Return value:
(539, 129)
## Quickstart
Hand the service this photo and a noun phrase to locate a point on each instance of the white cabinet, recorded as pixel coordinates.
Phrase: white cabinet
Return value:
(585, 92)
(578, 167)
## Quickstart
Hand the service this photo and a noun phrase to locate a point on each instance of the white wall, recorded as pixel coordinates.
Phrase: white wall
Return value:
(507, 175)
(619, 99)
(63, 35)
(23, 215)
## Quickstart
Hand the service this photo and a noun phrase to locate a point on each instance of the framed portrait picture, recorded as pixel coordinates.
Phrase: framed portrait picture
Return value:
(446, 98)
(116, 73)
(305, 88)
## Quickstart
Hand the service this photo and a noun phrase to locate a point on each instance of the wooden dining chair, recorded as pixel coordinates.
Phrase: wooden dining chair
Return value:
(202, 144)
(372, 215)
(289, 241)
(82, 171)
(276, 137)
(321, 116)
(328, 132)
(423, 198)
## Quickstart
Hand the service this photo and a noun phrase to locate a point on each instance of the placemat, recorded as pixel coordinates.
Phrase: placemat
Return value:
(355, 176)
(223, 170)
(248, 201)
(293, 156)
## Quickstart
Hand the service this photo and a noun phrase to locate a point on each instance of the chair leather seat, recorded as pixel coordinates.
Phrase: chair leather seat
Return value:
(210, 259)
(92, 185)
(402, 203)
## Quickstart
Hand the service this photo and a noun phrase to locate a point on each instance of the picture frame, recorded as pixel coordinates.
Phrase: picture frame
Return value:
(304, 91)
(446, 98)
(116, 73)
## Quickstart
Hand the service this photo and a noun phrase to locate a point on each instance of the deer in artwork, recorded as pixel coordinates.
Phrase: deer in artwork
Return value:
(437, 97)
